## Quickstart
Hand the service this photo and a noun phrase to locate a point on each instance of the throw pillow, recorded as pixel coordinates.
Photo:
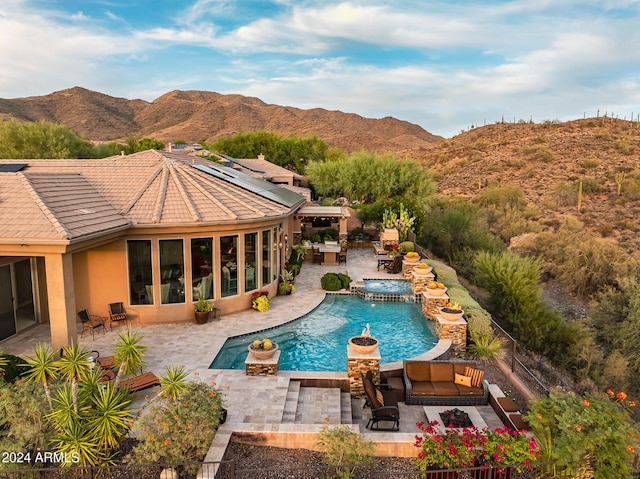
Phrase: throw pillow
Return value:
(463, 380)
(380, 397)
(476, 376)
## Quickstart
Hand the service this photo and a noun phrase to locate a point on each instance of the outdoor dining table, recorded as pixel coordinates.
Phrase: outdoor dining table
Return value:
(330, 254)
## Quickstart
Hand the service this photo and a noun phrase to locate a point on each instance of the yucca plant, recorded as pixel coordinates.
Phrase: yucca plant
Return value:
(74, 366)
(129, 353)
(109, 416)
(78, 445)
(42, 368)
(173, 383)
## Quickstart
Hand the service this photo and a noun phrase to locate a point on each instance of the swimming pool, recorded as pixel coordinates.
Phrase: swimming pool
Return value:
(400, 286)
(318, 340)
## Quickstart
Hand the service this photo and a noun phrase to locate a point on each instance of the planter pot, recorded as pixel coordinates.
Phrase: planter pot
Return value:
(423, 271)
(169, 473)
(261, 353)
(437, 291)
(363, 344)
(451, 315)
(202, 317)
(413, 259)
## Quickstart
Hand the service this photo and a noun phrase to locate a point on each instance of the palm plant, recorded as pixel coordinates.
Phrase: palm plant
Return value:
(129, 353)
(74, 367)
(42, 368)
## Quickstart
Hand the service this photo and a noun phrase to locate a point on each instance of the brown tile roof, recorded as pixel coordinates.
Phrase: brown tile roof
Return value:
(73, 199)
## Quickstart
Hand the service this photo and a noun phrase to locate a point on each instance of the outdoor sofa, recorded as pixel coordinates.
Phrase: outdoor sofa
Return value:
(444, 383)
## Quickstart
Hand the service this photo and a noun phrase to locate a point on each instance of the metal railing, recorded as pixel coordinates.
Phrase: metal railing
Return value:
(228, 470)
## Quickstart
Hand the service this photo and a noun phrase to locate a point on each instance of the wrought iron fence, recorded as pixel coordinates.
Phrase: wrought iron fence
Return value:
(228, 470)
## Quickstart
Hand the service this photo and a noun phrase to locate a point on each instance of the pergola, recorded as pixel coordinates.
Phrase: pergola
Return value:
(311, 218)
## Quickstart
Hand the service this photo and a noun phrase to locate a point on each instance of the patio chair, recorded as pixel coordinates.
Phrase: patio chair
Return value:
(117, 313)
(317, 256)
(91, 321)
(395, 266)
(384, 406)
(342, 256)
(140, 382)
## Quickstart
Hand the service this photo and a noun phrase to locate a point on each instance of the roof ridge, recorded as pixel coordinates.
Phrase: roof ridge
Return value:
(175, 175)
(164, 181)
(141, 191)
(44, 208)
(213, 199)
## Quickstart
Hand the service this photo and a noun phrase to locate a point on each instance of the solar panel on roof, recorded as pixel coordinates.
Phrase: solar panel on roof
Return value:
(260, 187)
(11, 167)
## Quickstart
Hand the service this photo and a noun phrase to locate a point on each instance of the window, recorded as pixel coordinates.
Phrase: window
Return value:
(140, 273)
(274, 257)
(266, 257)
(229, 265)
(250, 261)
(202, 268)
(171, 271)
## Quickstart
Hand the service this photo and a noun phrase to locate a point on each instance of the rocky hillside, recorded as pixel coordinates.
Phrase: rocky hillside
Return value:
(548, 161)
(196, 116)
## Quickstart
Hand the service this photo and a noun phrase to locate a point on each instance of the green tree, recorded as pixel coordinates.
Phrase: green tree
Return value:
(27, 140)
(287, 152)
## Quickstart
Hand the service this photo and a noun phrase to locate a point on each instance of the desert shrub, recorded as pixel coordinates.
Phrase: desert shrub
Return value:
(181, 430)
(343, 448)
(590, 163)
(330, 282)
(564, 195)
(540, 153)
(583, 261)
(23, 426)
(508, 196)
(589, 186)
(14, 368)
(631, 189)
(587, 436)
(624, 147)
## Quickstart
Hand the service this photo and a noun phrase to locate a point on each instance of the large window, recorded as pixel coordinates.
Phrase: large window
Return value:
(266, 257)
(171, 271)
(202, 268)
(140, 273)
(250, 261)
(229, 265)
(275, 256)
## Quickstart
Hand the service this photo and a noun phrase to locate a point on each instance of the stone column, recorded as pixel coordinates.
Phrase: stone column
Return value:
(419, 282)
(62, 299)
(430, 304)
(361, 363)
(456, 331)
(262, 367)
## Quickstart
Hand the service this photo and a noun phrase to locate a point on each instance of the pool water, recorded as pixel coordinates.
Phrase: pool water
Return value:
(318, 340)
(400, 286)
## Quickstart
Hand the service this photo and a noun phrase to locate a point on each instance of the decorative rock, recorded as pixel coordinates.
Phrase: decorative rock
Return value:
(361, 363)
(456, 331)
(419, 281)
(431, 304)
(262, 367)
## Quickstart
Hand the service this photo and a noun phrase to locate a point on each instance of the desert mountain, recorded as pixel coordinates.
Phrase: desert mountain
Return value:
(548, 161)
(196, 116)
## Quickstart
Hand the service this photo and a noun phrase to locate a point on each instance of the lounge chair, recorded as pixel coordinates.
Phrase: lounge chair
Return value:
(384, 406)
(91, 321)
(106, 362)
(395, 266)
(138, 383)
(117, 313)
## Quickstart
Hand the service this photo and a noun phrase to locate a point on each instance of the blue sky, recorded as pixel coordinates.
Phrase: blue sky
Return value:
(445, 65)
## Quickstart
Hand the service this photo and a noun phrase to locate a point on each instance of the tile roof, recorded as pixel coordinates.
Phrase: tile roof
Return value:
(75, 199)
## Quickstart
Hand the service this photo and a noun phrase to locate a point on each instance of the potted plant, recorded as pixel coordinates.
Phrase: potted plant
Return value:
(263, 349)
(365, 343)
(301, 251)
(452, 311)
(436, 289)
(286, 286)
(260, 301)
(412, 257)
(202, 309)
(452, 449)
(422, 268)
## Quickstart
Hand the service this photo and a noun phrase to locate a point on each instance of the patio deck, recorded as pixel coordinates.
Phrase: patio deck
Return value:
(286, 410)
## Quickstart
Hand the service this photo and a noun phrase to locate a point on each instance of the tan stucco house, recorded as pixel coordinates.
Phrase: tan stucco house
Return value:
(154, 230)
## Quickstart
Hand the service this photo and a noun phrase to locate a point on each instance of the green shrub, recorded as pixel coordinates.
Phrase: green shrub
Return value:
(501, 197)
(407, 246)
(343, 448)
(329, 234)
(331, 282)
(14, 369)
(345, 280)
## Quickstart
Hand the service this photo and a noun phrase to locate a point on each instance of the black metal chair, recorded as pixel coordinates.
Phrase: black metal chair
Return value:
(117, 313)
(90, 321)
(384, 406)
